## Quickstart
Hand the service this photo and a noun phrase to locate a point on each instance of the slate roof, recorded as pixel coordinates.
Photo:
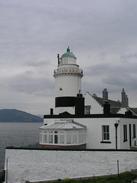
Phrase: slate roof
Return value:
(114, 105)
(133, 110)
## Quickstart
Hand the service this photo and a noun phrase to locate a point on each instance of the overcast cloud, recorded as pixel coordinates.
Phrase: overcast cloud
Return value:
(102, 34)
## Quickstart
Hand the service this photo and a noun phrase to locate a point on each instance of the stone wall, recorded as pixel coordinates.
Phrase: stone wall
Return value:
(39, 165)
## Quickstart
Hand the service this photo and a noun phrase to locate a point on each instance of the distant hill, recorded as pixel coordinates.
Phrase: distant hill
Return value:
(13, 115)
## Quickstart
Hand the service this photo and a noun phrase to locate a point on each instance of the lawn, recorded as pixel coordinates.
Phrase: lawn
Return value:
(126, 177)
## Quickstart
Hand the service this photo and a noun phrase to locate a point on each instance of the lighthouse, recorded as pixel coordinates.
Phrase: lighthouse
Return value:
(85, 121)
(60, 129)
(68, 85)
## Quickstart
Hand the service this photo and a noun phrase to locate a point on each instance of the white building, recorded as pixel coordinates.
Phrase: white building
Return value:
(86, 121)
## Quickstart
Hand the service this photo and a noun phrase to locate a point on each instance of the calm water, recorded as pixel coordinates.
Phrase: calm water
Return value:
(17, 134)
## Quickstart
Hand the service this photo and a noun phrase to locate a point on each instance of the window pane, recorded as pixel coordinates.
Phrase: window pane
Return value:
(80, 138)
(61, 139)
(87, 109)
(74, 139)
(55, 139)
(45, 138)
(68, 139)
(50, 138)
(107, 129)
(105, 132)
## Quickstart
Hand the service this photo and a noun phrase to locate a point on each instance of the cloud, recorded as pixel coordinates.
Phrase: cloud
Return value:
(35, 26)
(29, 84)
(39, 63)
(110, 68)
(101, 33)
(113, 75)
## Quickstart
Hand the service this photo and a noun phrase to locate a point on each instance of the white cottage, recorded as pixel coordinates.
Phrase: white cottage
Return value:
(85, 121)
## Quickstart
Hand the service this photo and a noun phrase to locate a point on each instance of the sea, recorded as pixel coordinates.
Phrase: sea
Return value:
(17, 134)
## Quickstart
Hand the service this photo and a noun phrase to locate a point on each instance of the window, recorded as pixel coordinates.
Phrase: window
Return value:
(56, 137)
(87, 109)
(68, 139)
(62, 139)
(134, 131)
(125, 132)
(81, 140)
(105, 132)
(74, 139)
(50, 137)
(45, 138)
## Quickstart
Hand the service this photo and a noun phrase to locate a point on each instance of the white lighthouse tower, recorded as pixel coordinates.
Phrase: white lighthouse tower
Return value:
(67, 83)
(60, 130)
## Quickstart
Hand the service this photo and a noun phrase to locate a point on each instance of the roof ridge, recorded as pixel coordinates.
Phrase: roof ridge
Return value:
(107, 99)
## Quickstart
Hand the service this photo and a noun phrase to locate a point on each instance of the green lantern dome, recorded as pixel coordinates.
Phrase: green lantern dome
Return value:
(68, 54)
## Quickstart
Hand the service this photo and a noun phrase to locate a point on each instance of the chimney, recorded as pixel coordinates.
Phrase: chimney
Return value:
(106, 108)
(128, 113)
(51, 111)
(79, 105)
(105, 94)
(124, 98)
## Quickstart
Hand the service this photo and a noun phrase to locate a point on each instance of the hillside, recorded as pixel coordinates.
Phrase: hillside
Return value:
(13, 115)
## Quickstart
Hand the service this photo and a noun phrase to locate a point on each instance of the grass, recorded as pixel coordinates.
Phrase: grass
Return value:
(126, 177)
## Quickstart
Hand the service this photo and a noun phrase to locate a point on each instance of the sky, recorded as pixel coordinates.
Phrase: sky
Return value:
(102, 35)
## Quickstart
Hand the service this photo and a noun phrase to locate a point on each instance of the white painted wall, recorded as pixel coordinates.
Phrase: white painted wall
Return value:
(95, 107)
(36, 165)
(127, 121)
(58, 110)
(94, 131)
(70, 85)
(48, 121)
